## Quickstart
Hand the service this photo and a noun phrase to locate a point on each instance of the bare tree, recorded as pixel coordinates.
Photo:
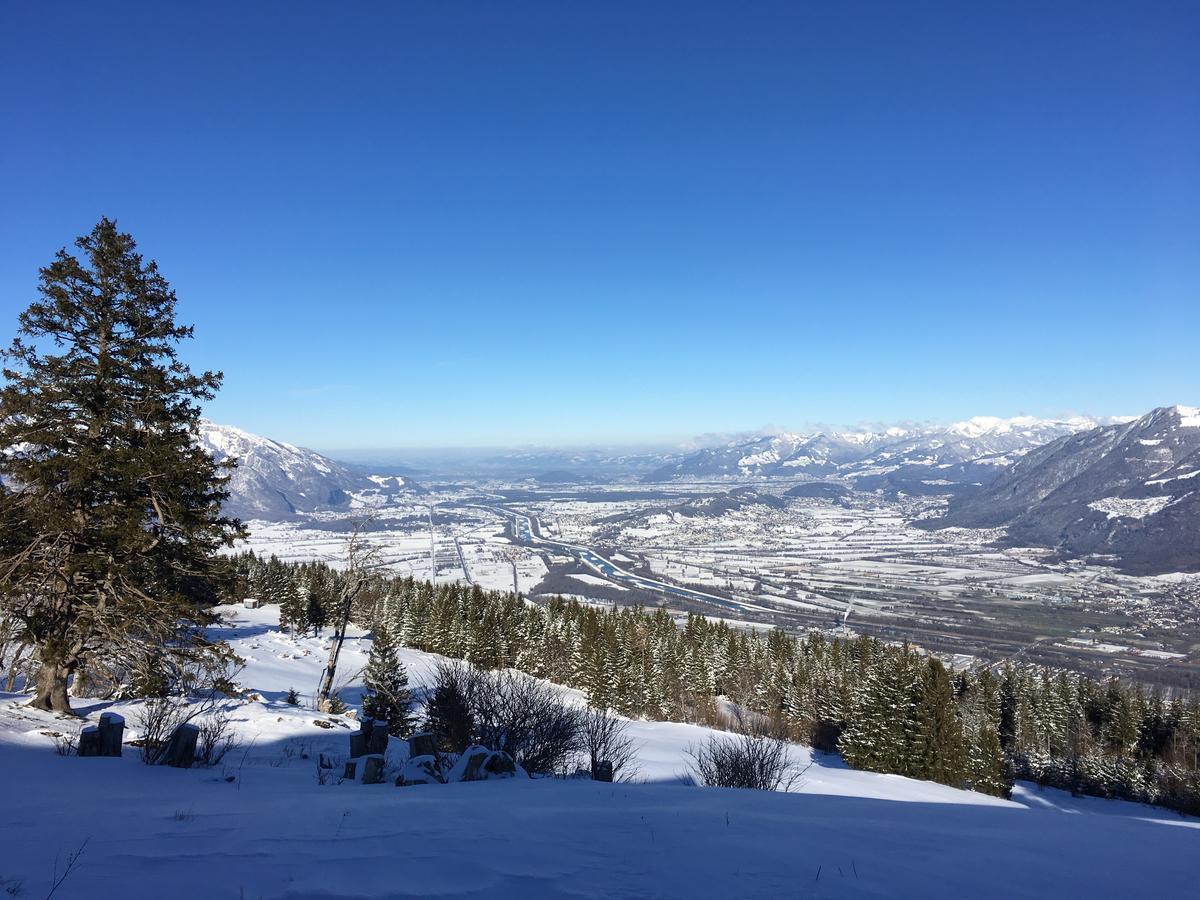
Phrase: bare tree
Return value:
(193, 698)
(606, 738)
(505, 710)
(361, 557)
(217, 738)
(527, 719)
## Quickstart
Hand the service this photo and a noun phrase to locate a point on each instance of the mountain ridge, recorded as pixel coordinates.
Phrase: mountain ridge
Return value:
(1129, 491)
(873, 454)
(277, 480)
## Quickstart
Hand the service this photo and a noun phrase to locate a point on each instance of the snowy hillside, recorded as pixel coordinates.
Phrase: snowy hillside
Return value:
(883, 457)
(1129, 490)
(270, 830)
(274, 480)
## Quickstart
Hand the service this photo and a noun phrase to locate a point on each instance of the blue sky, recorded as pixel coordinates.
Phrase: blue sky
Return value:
(447, 224)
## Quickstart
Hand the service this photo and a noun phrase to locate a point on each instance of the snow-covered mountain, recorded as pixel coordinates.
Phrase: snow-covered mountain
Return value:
(895, 457)
(275, 480)
(1131, 490)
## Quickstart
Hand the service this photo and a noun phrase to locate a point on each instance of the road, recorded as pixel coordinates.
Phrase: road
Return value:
(527, 531)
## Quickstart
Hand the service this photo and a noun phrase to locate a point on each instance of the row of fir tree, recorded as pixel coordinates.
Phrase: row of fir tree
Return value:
(885, 708)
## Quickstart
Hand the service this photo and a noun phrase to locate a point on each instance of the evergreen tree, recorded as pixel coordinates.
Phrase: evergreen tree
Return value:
(110, 510)
(387, 696)
(941, 754)
(448, 717)
(988, 770)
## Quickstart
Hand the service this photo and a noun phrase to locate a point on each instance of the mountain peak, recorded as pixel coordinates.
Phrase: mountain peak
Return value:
(274, 479)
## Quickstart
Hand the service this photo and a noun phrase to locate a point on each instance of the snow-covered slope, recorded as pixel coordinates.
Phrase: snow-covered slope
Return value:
(261, 826)
(884, 457)
(1131, 489)
(275, 480)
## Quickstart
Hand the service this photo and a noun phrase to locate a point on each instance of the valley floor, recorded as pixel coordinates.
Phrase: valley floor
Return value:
(272, 831)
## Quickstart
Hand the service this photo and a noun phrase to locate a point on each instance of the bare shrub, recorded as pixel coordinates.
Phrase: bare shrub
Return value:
(157, 720)
(216, 738)
(72, 863)
(751, 760)
(528, 720)
(65, 744)
(507, 711)
(324, 769)
(606, 737)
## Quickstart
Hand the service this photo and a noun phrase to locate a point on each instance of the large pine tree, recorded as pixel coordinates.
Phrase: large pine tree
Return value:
(110, 511)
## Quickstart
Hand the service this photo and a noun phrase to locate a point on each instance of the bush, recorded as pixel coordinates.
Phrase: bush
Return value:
(758, 761)
(504, 710)
(157, 720)
(605, 737)
(216, 738)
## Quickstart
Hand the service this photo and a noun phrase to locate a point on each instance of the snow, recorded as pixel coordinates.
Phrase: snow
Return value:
(1118, 507)
(977, 426)
(1182, 477)
(1098, 646)
(596, 579)
(273, 832)
(1189, 416)
(1161, 654)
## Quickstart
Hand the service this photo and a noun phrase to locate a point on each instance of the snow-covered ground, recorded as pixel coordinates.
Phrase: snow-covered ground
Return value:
(260, 825)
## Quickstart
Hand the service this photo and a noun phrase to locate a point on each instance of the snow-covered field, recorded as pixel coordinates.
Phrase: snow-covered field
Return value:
(260, 825)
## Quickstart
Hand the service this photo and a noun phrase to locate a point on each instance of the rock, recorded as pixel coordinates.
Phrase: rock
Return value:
(470, 765)
(373, 769)
(112, 729)
(422, 770)
(89, 741)
(421, 744)
(500, 765)
(378, 740)
(481, 764)
(181, 749)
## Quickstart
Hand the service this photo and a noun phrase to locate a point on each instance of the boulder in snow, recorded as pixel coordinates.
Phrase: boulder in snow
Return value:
(421, 770)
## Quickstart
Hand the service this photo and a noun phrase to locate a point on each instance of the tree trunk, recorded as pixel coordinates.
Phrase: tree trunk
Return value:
(50, 688)
(326, 689)
(18, 658)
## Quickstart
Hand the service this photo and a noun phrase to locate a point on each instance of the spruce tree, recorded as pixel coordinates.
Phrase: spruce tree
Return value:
(387, 696)
(941, 752)
(110, 511)
(988, 770)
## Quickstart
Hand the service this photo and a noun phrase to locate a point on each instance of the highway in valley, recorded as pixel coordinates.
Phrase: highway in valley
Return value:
(528, 532)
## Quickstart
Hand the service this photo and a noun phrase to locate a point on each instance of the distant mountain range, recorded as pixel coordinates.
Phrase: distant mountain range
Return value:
(1125, 490)
(1128, 491)
(914, 459)
(274, 480)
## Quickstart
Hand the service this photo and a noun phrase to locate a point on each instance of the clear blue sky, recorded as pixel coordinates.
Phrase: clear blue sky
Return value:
(448, 224)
